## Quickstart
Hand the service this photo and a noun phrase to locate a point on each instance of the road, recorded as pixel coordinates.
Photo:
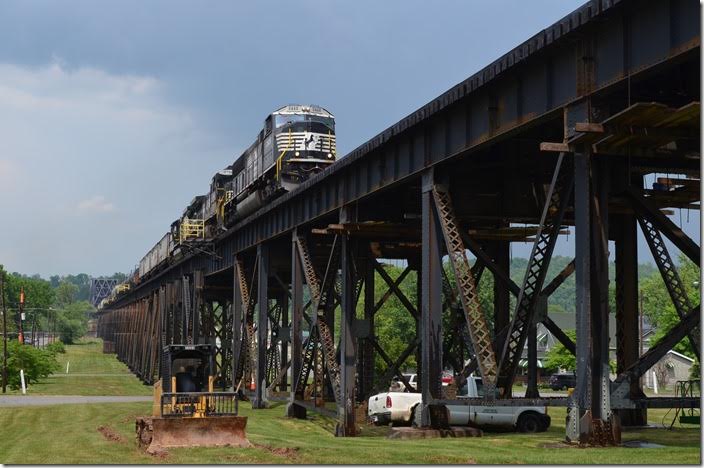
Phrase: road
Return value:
(18, 400)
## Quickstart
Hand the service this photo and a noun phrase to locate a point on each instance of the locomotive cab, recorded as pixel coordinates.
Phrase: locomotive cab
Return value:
(305, 142)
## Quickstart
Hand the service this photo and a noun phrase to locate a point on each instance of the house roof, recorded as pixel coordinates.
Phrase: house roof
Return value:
(672, 351)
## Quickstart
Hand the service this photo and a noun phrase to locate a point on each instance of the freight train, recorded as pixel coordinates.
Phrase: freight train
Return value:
(296, 142)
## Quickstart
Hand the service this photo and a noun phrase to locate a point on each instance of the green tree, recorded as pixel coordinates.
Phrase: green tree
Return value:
(38, 292)
(73, 321)
(560, 357)
(658, 306)
(395, 327)
(66, 293)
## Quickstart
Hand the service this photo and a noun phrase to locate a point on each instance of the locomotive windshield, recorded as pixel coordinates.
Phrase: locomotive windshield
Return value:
(282, 120)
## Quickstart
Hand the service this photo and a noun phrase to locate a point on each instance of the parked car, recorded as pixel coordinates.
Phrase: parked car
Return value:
(562, 381)
(400, 408)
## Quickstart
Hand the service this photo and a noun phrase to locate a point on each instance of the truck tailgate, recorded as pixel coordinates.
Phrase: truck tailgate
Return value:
(377, 404)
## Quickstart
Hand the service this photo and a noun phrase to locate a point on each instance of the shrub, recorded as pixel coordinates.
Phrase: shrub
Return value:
(36, 363)
(57, 347)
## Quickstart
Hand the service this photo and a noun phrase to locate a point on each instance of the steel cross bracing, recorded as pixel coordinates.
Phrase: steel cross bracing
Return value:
(322, 293)
(455, 344)
(273, 355)
(621, 386)
(672, 280)
(558, 197)
(476, 322)
(247, 351)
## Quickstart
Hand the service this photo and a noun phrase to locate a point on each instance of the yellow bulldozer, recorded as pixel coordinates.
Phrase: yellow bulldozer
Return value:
(187, 412)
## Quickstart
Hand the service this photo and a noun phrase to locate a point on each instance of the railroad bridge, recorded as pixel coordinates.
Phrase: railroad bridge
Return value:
(557, 134)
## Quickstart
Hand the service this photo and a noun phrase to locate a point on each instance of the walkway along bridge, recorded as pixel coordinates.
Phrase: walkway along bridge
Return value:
(558, 132)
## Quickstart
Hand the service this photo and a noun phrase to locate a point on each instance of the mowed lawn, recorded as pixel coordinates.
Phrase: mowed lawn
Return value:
(90, 372)
(70, 434)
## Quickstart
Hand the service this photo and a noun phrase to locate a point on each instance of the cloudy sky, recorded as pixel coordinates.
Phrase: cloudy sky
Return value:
(113, 115)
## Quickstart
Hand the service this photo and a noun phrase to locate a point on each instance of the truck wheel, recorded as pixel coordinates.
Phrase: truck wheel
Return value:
(415, 416)
(529, 423)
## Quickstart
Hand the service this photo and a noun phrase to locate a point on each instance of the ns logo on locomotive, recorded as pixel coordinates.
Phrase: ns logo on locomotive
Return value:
(297, 141)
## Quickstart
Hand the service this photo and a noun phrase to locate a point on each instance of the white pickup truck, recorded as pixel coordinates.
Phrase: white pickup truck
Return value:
(399, 408)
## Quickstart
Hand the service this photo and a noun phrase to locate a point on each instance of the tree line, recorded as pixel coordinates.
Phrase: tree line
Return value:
(60, 304)
(395, 326)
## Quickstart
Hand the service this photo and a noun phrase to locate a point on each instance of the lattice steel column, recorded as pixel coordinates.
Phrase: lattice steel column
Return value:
(238, 306)
(478, 328)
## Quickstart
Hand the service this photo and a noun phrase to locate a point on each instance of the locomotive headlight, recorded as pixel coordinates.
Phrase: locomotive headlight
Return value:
(298, 153)
(329, 155)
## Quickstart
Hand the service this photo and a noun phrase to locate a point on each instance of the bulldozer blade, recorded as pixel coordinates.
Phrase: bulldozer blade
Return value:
(198, 432)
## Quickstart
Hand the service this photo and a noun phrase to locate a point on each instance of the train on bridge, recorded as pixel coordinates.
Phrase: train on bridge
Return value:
(296, 142)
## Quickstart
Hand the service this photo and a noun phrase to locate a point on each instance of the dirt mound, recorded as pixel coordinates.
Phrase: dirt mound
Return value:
(110, 434)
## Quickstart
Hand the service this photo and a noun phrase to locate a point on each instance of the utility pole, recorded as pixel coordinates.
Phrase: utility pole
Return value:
(20, 332)
(4, 333)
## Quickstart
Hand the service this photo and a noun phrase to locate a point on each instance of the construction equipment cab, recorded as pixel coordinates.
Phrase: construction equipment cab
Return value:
(187, 369)
(186, 411)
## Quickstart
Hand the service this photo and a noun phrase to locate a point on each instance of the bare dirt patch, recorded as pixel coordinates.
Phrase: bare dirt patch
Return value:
(158, 452)
(110, 434)
(280, 451)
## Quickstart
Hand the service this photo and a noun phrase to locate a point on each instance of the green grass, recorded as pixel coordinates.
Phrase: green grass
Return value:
(68, 434)
(90, 373)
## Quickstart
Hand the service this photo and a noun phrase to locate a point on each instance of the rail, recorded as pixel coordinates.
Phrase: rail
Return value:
(188, 404)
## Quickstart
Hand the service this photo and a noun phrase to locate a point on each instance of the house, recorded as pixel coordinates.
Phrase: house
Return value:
(672, 367)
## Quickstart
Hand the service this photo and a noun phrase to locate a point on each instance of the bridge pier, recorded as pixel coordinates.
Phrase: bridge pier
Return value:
(262, 324)
(431, 304)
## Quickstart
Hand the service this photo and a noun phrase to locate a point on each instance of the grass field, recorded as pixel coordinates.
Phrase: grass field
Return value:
(69, 434)
(90, 373)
